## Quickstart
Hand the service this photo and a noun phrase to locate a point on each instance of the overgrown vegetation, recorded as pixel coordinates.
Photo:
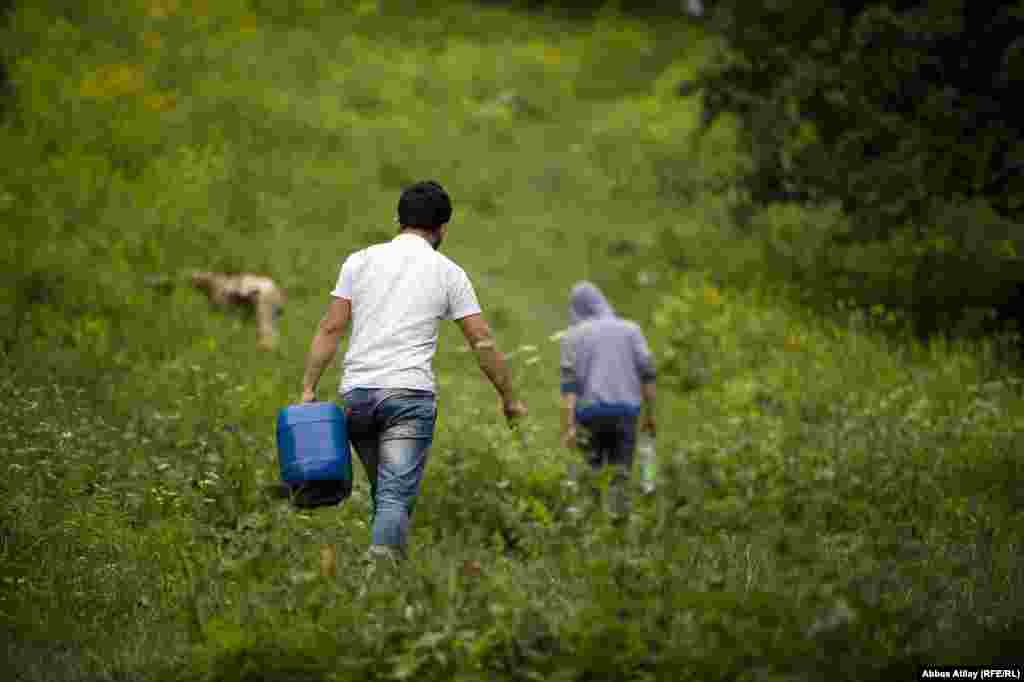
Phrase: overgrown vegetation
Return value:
(901, 113)
(831, 498)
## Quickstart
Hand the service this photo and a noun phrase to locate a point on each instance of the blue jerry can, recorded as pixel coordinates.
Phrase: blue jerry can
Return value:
(313, 453)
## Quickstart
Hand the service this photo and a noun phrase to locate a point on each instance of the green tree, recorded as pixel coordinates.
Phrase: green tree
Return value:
(900, 111)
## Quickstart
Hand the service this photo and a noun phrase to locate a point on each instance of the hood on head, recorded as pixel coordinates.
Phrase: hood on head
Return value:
(586, 301)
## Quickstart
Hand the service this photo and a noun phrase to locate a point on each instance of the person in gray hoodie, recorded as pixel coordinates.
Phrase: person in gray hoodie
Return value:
(607, 387)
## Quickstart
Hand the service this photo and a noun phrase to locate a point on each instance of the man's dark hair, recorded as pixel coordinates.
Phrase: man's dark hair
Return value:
(425, 205)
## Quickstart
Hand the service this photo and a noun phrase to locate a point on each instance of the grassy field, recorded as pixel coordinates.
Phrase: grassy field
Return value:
(833, 502)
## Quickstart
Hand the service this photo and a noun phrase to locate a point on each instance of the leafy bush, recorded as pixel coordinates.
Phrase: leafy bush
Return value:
(873, 106)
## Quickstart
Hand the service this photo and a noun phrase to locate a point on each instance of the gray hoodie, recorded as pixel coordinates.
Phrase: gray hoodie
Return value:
(604, 358)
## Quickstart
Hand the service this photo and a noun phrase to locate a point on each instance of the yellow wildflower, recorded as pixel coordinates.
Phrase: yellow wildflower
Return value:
(152, 40)
(249, 24)
(160, 102)
(160, 9)
(712, 296)
(113, 80)
(90, 87)
(552, 56)
(367, 7)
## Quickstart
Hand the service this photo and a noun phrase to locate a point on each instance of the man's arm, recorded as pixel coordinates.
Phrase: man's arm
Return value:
(325, 345)
(492, 362)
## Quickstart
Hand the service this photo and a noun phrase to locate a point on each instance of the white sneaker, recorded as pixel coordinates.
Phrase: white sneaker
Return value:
(385, 553)
(378, 561)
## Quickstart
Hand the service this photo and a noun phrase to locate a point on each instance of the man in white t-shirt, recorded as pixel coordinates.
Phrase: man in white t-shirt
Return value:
(395, 294)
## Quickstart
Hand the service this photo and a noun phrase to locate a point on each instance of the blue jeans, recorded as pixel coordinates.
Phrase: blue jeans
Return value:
(391, 430)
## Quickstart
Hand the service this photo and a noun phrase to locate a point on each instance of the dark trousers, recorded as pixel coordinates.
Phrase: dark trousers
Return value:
(609, 441)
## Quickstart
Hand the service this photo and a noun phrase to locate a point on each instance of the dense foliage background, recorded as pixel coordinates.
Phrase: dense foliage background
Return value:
(834, 501)
(902, 113)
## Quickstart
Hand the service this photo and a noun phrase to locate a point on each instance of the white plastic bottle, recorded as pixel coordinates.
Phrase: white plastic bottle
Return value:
(647, 458)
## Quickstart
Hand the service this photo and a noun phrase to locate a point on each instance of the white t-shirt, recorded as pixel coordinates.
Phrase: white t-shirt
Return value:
(400, 290)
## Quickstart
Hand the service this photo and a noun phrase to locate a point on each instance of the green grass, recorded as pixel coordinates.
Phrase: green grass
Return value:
(831, 498)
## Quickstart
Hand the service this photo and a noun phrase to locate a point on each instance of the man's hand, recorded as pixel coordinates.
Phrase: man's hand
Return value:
(648, 425)
(569, 439)
(513, 410)
(308, 395)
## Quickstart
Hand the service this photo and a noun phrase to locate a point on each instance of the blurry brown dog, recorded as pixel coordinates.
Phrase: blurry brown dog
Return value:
(256, 293)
